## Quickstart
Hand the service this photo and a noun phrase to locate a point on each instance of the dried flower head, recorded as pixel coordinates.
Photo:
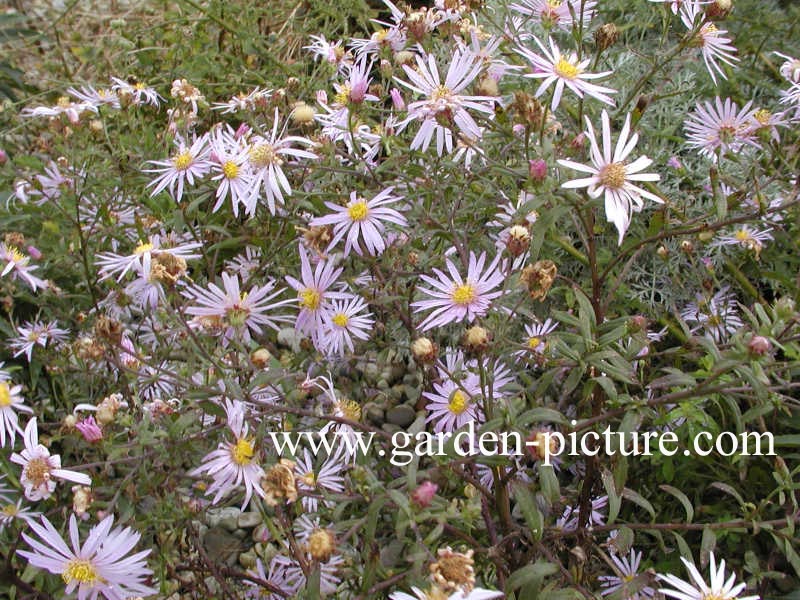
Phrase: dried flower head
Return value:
(453, 571)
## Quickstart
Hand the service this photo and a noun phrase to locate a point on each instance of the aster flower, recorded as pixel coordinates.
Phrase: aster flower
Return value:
(626, 583)
(765, 124)
(746, 236)
(64, 106)
(314, 294)
(138, 92)
(712, 41)
(141, 258)
(232, 311)
(17, 265)
(444, 102)
(565, 71)
(355, 89)
(311, 480)
(557, 13)
(15, 511)
(11, 402)
(720, 588)
(267, 154)
(233, 463)
(453, 404)
(717, 316)
(536, 338)
(98, 567)
(613, 175)
(230, 167)
(241, 102)
(568, 521)
(330, 52)
(455, 298)
(95, 97)
(34, 334)
(343, 321)
(362, 221)
(189, 162)
(719, 128)
(292, 578)
(40, 469)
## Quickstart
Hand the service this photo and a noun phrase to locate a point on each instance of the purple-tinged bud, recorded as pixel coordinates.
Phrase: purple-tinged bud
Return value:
(759, 345)
(424, 494)
(397, 99)
(537, 169)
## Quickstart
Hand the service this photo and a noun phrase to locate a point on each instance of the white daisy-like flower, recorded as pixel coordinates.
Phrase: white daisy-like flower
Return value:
(558, 13)
(626, 583)
(711, 40)
(189, 163)
(17, 264)
(233, 463)
(613, 176)
(327, 477)
(343, 321)
(15, 511)
(138, 92)
(436, 593)
(721, 586)
(362, 221)
(142, 256)
(40, 469)
(11, 402)
(98, 567)
(565, 71)
(230, 168)
(718, 128)
(244, 101)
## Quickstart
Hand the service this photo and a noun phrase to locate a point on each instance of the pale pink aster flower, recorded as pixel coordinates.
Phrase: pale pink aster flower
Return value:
(790, 69)
(233, 311)
(454, 404)
(746, 236)
(244, 102)
(40, 469)
(392, 37)
(444, 101)
(343, 321)
(11, 511)
(363, 222)
(64, 106)
(98, 567)
(17, 265)
(474, 594)
(536, 338)
(189, 162)
(565, 71)
(331, 52)
(613, 176)
(138, 92)
(712, 41)
(34, 334)
(142, 256)
(313, 294)
(624, 583)
(719, 128)
(766, 123)
(230, 167)
(96, 97)
(11, 402)
(568, 521)
(355, 89)
(721, 586)
(717, 316)
(293, 579)
(456, 298)
(234, 463)
(266, 155)
(557, 13)
(327, 477)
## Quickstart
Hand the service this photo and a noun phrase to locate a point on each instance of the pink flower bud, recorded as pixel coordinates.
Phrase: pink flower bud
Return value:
(242, 131)
(397, 99)
(674, 163)
(89, 429)
(537, 170)
(322, 96)
(34, 253)
(3, 157)
(518, 129)
(424, 494)
(759, 345)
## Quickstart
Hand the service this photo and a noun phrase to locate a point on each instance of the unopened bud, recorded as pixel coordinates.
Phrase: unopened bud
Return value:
(519, 240)
(3, 157)
(303, 114)
(637, 323)
(606, 36)
(424, 350)
(487, 87)
(397, 99)
(424, 493)
(321, 545)
(404, 57)
(663, 252)
(385, 68)
(719, 9)
(687, 246)
(476, 339)
(537, 170)
(260, 358)
(759, 345)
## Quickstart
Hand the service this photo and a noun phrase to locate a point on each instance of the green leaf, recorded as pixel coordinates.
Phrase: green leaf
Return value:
(682, 498)
(528, 574)
(530, 512)
(634, 497)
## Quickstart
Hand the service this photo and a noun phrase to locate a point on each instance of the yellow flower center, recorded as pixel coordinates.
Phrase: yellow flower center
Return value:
(440, 93)
(9, 510)
(763, 116)
(613, 175)
(264, 155)
(534, 342)
(5, 395)
(63, 102)
(242, 451)
(310, 299)
(140, 86)
(37, 471)
(183, 161)
(464, 294)
(712, 596)
(566, 69)
(742, 235)
(349, 409)
(142, 248)
(230, 169)
(80, 570)
(343, 95)
(310, 479)
(458, 402)
(14, 255)
(339, 319)
(357, 211)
